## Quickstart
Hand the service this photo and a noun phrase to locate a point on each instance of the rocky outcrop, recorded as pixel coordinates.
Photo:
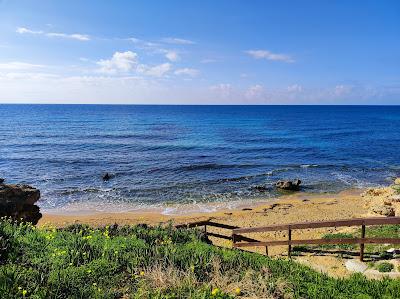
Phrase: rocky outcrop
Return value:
(18, 202)
(288, 185)
(383, 201)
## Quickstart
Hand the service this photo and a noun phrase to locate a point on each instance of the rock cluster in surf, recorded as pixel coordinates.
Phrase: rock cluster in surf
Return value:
(18, 202)
(288, 185)
(384, 201)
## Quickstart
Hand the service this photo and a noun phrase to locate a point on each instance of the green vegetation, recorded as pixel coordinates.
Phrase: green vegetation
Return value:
(385, 267)
(338, 246)
(143, 262)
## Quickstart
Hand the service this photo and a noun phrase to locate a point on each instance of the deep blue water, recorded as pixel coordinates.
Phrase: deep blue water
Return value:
(179, 154)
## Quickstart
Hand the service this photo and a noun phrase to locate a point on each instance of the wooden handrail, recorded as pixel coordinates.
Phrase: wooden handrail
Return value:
(319, 224)
(236, 232)
(322, 241)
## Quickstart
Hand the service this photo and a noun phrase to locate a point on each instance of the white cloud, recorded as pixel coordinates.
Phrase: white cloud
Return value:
(341, 90)
(295, 88)
(264, 54)
(177, 41)
(75, 36)
(223, 90)
(22, 30)
(254, 91)
(18, 66)
(172, 56)
(155, 71)
(187, 71)
(119, 62)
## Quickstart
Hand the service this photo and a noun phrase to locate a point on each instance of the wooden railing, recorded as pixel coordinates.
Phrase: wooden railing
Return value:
(363, 222)
(209, 223)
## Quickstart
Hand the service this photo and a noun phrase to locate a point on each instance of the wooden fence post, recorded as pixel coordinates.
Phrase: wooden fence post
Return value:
(290, 246)
(205, 229)
(266, 250)
(233, 239)
(362, 244)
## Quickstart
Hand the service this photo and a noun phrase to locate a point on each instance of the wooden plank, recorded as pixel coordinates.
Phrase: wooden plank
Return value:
(290, 245)
(246, 239)
(362, 244)
(219, 236)
(221, 225)
(192, 224)
(321, 224)
(321, 242)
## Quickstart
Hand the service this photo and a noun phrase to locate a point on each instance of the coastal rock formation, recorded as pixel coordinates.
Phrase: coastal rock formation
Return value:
(384, 201)
(288, 185)
(18, 202)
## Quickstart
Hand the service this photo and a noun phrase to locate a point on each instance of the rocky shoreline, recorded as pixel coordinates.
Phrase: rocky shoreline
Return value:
(383, 201)
(18, 202)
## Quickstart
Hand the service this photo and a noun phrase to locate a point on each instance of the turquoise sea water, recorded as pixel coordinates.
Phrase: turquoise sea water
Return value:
(184, 154)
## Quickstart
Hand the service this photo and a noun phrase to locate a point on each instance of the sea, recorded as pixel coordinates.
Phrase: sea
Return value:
(165, 156)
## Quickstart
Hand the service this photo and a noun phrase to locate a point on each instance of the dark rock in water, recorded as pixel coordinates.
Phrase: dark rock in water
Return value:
(1, 180)
(106, 177)
(261, 188)
(18, 202)
(288, 185)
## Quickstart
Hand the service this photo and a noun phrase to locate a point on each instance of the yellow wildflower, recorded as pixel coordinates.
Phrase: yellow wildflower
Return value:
(238, 291)
(141, 273)
(215, 291)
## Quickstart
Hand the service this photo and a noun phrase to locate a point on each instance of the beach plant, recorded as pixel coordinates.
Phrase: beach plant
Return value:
(157, 262)
(385, 267)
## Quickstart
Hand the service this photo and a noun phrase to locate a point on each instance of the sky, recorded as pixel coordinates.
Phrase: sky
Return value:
(200, 52)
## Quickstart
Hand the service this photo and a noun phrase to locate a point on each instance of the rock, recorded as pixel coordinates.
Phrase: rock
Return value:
(397, 181)
(288, 185)
(356, 266)
(1, 180)
(106, 177)
(260, 188)
(395, 198)
(18, 202)
(384, 210)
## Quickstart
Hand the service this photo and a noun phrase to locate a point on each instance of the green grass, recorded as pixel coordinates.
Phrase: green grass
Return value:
(156, 262)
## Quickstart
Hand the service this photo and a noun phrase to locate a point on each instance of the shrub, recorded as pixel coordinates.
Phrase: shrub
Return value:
(385, 267)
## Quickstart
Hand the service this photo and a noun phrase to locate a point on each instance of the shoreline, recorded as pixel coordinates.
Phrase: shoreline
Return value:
(181, 213)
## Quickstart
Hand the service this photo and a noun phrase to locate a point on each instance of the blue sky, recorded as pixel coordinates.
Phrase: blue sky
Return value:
(200, 52)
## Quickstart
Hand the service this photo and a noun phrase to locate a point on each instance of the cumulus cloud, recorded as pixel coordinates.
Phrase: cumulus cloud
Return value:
(264, 54)
(172, 56)
(177, 41)
(75, 36)
(119, 62)
(187, 71)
